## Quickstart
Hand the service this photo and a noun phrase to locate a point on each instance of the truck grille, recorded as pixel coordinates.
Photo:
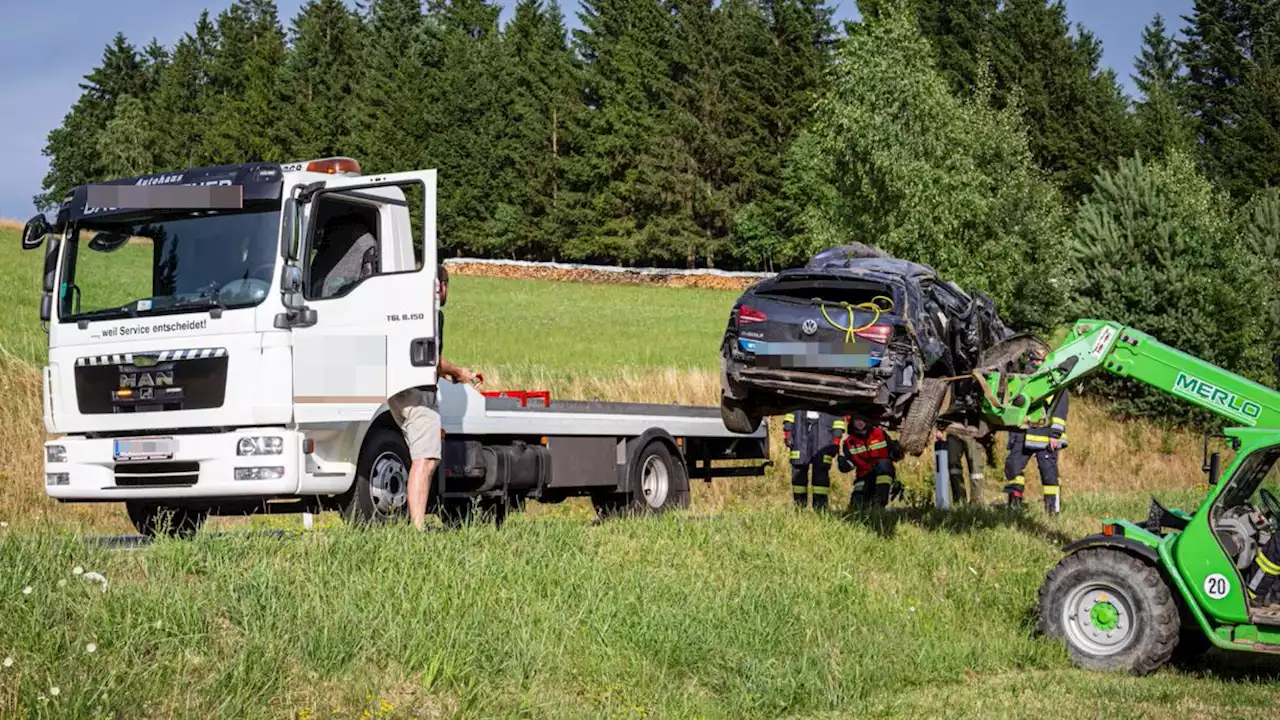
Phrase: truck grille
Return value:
(157, 473)
(151, 382)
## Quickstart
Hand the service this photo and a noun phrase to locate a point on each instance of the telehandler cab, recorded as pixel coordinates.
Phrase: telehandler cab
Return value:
(1130, 596)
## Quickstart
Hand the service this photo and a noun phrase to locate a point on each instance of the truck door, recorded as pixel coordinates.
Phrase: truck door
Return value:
(368, 262)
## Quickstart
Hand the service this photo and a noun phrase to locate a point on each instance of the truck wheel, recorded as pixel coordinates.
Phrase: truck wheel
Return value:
(1113, 611)
(154, 520)
(382, 479)
(919, 425)
(736, 418)
(659, 483)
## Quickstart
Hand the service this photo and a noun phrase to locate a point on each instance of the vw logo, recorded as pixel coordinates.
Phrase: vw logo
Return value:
(809, 327)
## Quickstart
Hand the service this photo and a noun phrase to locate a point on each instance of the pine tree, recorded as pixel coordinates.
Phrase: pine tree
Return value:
(72, 148)
(119, 151)
(1162, 126)
(1077, 114)
(629, 161)
(246, 114)
(467, 86)
(1232, 54)
(1156, 242)
(543, 108)
(388, 115)
(320, 78)
(178, 126)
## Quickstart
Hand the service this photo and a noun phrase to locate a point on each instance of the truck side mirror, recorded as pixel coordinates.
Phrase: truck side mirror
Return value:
(289, 230)
(1215, 468)
(34, 232)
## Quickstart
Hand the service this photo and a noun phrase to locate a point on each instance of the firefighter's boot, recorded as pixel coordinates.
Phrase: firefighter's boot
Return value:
(1013, 491)
(1052, 500)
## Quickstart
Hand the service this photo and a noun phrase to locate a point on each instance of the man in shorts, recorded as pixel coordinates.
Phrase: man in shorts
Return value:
(417, 412)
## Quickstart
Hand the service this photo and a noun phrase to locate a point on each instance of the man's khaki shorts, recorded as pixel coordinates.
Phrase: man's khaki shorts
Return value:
(418, 415)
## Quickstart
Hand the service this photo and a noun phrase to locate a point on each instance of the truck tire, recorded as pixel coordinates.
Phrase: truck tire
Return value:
(151, 520)
(736, 418)
(1113, 611)
(921, 422)
(659, 482)
(381, 487)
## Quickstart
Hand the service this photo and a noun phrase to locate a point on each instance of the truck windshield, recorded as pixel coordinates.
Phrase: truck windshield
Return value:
(168, 265)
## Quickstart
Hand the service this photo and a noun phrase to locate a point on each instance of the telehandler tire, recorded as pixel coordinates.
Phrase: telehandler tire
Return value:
(1113, 611)
(918, 427)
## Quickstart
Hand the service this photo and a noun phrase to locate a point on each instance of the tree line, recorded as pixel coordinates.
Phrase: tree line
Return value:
(980, 136)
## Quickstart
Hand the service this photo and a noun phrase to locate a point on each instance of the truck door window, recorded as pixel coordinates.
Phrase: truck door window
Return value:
(355, 236)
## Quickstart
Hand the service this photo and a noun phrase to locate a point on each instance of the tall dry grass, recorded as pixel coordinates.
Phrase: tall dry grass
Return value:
(1106, 456)
(7, 224)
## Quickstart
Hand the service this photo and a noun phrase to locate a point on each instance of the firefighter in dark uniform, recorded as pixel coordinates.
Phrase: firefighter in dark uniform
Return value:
(1044, 443)
(870, 453)
(812, 438)
(1263, 580)
(964, 453)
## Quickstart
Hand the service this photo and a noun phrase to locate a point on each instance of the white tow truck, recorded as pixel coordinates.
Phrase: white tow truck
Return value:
(223, 340)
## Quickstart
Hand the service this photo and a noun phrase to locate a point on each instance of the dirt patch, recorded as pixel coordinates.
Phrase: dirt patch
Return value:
(705, 280)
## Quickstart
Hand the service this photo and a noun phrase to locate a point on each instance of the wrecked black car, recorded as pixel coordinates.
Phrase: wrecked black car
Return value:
(856, 331)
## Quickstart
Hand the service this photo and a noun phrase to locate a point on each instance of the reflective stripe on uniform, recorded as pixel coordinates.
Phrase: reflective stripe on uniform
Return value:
(789, 418)
(821, 490)
(1266, 566)
(826, 459)
(795, 454)
(799, 489)
(884, 480)
(1059, 423)
(1050, 489)
(839, 425)
(1018, 481)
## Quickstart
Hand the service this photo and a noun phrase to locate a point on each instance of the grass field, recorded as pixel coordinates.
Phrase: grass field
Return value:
(738, 609)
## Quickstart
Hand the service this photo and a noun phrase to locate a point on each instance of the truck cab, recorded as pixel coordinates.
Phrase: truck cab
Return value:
(223, 340)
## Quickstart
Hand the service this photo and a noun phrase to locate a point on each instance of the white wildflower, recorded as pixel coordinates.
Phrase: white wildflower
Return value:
(54, 691)
(26, 590)
(62, 583)
(8, 662)
(91, 648)
(3, 524)
(98, 578)
(911, 609)
(77, 570)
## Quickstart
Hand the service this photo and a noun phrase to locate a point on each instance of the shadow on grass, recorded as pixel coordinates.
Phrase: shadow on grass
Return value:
(1233, 666)
(959, 520)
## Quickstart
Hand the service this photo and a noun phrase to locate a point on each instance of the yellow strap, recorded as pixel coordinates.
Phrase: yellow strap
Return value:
(1050, 489)
(871, 307)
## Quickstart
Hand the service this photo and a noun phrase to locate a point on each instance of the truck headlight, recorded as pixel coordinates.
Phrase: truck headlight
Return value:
(259, 473)
(55, 453)
(57, 478)
(268, 445)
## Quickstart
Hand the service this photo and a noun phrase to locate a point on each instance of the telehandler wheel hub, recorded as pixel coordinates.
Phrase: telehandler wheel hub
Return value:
(1098, 618)
(388, 483)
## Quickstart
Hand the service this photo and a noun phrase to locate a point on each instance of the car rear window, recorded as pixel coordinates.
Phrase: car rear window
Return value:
(828, 290)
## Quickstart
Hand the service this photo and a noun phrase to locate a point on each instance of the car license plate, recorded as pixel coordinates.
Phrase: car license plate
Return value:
(159, 448)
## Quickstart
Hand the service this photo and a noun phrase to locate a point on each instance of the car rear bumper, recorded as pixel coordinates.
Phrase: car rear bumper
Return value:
(201, 466)
(808, 384)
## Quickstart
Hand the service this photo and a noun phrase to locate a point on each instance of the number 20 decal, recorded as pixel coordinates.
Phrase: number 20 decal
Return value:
(1216, 586)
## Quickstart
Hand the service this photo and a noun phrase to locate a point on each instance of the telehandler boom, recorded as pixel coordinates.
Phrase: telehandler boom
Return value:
(1132, 595)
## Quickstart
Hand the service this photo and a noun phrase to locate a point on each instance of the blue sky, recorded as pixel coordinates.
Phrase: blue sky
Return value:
(47, 46)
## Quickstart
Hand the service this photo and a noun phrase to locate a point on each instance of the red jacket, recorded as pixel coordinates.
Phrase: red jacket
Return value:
(864, 452)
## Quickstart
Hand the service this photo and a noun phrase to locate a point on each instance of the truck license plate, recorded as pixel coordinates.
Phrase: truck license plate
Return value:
(160, 448)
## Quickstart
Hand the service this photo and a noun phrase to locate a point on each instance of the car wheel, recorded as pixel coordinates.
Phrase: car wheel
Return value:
(1113, 611)
(154, 520)
(737, 418)
(921, 421)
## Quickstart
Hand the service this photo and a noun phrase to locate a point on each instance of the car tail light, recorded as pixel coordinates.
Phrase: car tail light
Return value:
(877, 333)
(747, 314)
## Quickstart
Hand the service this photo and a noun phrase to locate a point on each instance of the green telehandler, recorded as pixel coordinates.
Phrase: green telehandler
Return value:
(1132, 595)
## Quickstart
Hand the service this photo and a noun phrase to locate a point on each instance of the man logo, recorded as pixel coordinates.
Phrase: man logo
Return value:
(809, 326)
